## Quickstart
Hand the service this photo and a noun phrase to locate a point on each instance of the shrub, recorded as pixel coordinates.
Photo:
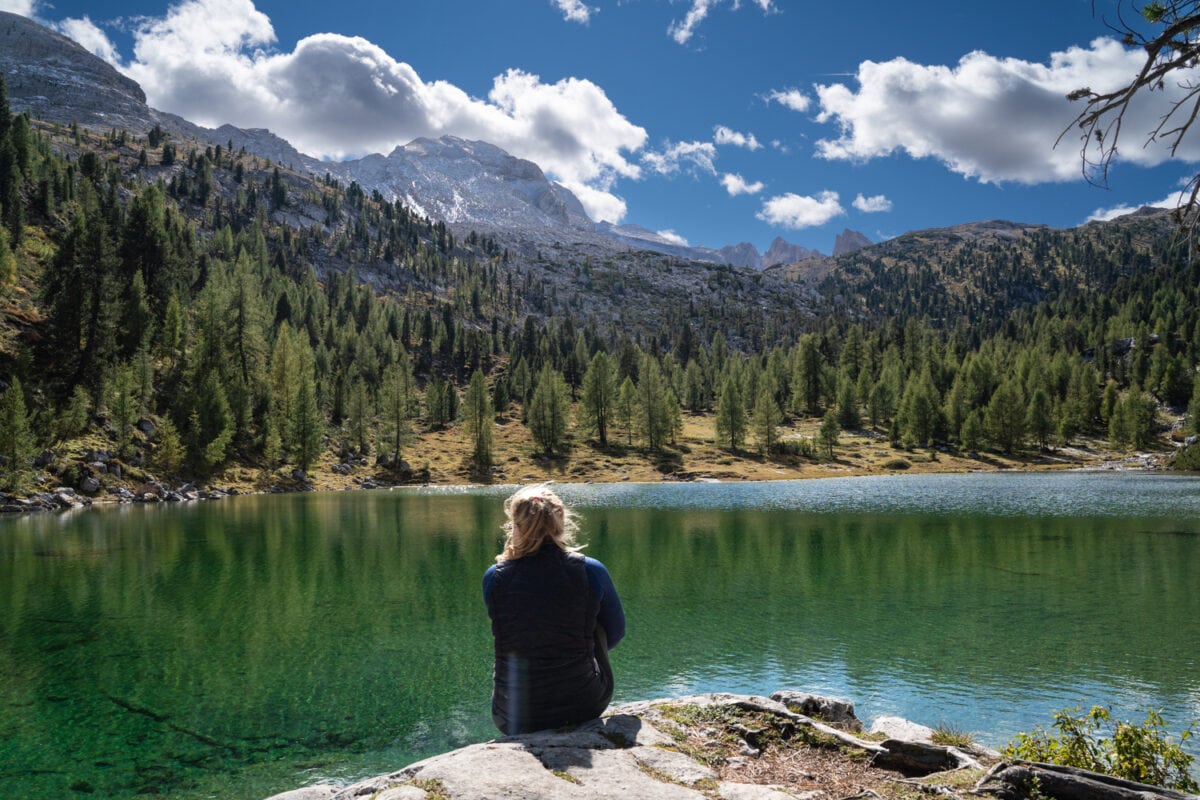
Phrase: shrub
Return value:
(896, 463)
(1187, 459)
(1092, 741)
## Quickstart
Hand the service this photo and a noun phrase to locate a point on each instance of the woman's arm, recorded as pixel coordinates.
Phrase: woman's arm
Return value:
(612, 615)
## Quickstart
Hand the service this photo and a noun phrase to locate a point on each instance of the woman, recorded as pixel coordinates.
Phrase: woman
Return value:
(555, 614)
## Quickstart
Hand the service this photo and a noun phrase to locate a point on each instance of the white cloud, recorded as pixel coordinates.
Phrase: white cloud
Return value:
(700, 155)
(797, 211)
(574, 10)
(673, 238)
(990, 118)
(872, 205)
(723, 135)
(794, 99)
(682, 31)
(26, 8)
(736, 184)
(335, 96)
(85, 32)
(1170, 201)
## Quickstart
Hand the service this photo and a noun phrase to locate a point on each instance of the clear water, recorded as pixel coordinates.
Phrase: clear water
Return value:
(240, 648)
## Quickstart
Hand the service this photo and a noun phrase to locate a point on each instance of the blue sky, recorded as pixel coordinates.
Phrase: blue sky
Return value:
(716, 121)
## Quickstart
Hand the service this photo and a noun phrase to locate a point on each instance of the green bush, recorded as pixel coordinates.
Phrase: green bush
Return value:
(1092, 741)
(896, 463)
(1187, 459)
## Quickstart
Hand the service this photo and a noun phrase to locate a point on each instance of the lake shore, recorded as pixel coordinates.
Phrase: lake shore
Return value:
(442, 458)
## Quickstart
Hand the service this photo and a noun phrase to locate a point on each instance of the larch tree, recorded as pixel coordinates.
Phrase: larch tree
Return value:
(731, 415)
(766, 418)
(16, 439)
(598, 398)
(549, 410)
(480, 421)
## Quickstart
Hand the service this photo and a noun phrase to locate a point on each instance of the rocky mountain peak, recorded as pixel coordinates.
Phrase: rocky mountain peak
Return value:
(784, 252)
(58, 80)
(849, 241)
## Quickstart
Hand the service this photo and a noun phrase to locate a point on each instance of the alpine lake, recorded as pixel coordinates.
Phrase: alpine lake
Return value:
(240, 648)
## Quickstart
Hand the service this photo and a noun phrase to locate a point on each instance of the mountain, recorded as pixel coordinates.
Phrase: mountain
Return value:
(468, 182)
(58, 80)
(849, 241)
(781, 252)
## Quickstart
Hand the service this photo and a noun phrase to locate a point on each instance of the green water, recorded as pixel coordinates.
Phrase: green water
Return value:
(239, 648)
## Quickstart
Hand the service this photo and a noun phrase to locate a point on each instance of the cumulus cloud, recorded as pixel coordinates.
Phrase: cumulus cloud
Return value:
(723, 135)
(736, 184)
(574, 10)
(335, 96)
(674, 157)
(994, 119)
(26, 8)
(683, 30)
(797, 211)
(794, 99)
(872, 205)
(673, 238)
(86, 33)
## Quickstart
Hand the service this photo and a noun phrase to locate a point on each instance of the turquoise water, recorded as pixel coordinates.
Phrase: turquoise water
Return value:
(239, 648)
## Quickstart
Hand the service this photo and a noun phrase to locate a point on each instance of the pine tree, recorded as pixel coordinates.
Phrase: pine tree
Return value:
(168, 452)
(549, 410)
(16, 439)
(123, 406)
(731, 415)
(652, 417)
(809, 380)
(8, 263)
(360, 416)
(695, 388)
(626, 409)
(971, 435)
(766, 418)
(598, 398)
(1039, 418)
(847, 405)
(1194, 408)
(828, 433)
(480, 420)
(397, 404)
(1005, 417)
(308, 424)
(213, 424)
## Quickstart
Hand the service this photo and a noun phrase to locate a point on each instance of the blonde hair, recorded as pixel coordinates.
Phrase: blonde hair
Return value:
(535, 514)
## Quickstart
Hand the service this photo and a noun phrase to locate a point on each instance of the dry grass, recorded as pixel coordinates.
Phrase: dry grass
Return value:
(693, 457)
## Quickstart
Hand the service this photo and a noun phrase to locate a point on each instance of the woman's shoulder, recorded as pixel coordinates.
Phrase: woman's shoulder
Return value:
(594, 565)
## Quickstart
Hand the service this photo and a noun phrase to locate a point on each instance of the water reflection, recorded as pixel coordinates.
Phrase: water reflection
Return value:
(257, 644)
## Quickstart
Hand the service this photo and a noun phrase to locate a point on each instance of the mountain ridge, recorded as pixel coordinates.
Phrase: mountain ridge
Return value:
(451, 179)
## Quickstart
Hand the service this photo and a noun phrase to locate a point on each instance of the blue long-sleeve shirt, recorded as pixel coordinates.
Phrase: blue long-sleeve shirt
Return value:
(611, 616)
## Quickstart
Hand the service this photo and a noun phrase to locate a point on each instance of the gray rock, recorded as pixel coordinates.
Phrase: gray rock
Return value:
(146, 426)
(833, 710)
(43, 459)
(899, 728)
(320, 792)
(89, 485)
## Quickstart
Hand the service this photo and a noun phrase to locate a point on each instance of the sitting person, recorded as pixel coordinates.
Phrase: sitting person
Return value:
(555, 615)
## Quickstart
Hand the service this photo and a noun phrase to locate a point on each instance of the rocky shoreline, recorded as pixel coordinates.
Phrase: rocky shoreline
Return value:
(791, 746)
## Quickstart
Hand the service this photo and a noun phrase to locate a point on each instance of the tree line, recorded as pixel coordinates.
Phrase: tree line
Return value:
(180, 317)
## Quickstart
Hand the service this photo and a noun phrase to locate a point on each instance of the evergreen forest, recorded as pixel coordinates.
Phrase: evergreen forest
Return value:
(184, 308)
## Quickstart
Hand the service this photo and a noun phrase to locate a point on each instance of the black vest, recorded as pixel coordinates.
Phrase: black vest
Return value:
(544, 623)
